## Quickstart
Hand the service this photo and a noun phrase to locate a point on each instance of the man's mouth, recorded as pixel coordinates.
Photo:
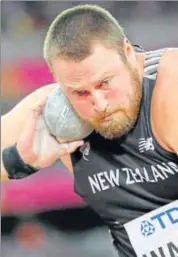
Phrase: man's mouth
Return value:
(108, 116)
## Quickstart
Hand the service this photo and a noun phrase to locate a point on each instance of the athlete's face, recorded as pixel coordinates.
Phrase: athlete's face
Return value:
(104, 89)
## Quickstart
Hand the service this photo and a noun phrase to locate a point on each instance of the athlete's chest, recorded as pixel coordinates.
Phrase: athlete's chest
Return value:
(112, 170)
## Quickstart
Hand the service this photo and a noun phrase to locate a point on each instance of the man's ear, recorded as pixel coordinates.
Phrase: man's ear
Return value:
(128, 50)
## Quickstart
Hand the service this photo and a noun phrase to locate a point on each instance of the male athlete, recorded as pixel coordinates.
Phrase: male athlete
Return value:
(128, 166)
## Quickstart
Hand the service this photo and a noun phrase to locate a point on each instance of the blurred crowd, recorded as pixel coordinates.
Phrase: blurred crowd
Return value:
(25, 19)
(40, 13)
(152, 24)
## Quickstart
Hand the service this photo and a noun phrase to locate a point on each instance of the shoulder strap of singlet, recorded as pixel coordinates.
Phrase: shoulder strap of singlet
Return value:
(151, 64)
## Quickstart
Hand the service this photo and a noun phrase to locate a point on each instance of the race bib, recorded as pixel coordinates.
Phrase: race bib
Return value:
(156, 233)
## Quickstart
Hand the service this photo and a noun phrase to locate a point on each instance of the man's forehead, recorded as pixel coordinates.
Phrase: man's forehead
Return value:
(99, 58)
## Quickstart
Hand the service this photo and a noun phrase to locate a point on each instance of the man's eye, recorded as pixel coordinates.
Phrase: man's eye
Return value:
(103, 84)
(106, 82)
(81, 93)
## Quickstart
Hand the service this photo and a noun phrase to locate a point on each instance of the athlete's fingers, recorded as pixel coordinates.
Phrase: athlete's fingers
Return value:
(50, 155)
(49, 145)
(69, 147)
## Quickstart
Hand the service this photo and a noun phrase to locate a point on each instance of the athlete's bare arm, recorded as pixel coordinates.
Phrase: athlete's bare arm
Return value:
(165, 102)
(12, 123)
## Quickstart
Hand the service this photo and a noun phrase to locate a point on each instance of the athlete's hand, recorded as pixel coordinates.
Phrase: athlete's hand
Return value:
(36, 146)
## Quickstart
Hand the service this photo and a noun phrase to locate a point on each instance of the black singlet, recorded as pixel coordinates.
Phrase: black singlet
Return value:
(125, 178)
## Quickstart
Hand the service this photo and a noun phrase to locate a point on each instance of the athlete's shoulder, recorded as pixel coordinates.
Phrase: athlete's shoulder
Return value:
(169, 63)
(164, 100)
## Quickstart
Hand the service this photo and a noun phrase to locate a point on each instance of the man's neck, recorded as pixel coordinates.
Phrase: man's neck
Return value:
(140, 57)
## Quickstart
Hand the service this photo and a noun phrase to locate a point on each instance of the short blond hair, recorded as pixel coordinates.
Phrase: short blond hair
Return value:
(74, 30)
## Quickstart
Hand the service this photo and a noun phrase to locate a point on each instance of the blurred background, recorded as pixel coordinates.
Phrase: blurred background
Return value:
(41, 215)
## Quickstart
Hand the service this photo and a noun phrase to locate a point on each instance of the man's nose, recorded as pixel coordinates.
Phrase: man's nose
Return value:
(100, 103)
